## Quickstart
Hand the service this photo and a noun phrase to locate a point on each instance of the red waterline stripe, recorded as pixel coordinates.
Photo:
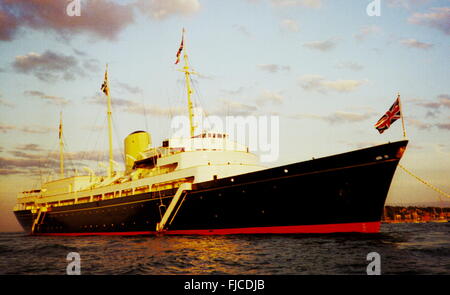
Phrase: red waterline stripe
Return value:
(126, 233)
(361, 227)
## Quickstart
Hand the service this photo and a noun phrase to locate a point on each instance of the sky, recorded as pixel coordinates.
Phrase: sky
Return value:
(326, 69)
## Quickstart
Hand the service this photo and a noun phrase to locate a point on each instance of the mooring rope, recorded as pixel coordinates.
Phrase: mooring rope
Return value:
(425, 182)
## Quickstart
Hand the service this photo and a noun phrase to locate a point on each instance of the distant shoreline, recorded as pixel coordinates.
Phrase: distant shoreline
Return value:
(415, 214)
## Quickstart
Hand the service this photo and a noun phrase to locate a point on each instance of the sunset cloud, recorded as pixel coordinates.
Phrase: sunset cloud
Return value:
(8, 25)
(102, 19)
(55, 100)
(418, 123)
(320, 84)
(129, 88)
(243, 30)
(33, 129)
(234, 108)
(326, 45)
(438, 18)
(413, 43)
(349, 65)
(366, 31)
(6, 103)
(164, 9)
(48, 66)
(304, 3)
(434, 106)
(336, 117)
(270, 97)
(132, 107)
(273, 68)
(443, 126)
(290, 25)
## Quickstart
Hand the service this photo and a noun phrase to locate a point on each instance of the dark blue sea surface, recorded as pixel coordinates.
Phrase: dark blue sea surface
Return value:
(420, 248)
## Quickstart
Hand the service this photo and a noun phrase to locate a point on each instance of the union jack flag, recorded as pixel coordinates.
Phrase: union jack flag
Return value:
(390, 117)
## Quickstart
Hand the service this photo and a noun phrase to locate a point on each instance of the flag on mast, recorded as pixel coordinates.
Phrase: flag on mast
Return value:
(60, 125)
(392, 115)
(105, 87)
(180, 49)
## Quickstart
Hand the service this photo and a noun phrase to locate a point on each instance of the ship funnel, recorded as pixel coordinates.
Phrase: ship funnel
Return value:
(135, 143)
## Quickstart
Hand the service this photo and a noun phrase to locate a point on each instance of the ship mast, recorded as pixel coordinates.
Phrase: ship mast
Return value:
(61, 147)
(105, 89)
(187, 75)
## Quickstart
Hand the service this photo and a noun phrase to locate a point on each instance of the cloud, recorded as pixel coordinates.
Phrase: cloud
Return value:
(129, 88)
(153, 110)
(234, 108)
(24, 162)
(48, 66)
(35, 129)
(30, 147)
(103, 19)
(273, 68)
(160, 10)
(320, 84)
(366, 31)
(434, 106)
(326, 45)
(413, 43)
(234, 92)
(290, 25)
(91, 64)
(443, 126)
(438, 18)
(6, 128)
(8, 25)
(444, 100)
(417, 123)
(270, 97)
(129, 106)
(336, 117)
(48, 98)
(243, 30)
(164, 9)
(6, 103)
(406, 3)
(99, 98)
(304, 3)
(350, 66)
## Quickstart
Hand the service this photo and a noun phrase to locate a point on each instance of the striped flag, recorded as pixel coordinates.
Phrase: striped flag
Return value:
(60, 128)
(390, 117)
(180, 49)
(105, 87)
